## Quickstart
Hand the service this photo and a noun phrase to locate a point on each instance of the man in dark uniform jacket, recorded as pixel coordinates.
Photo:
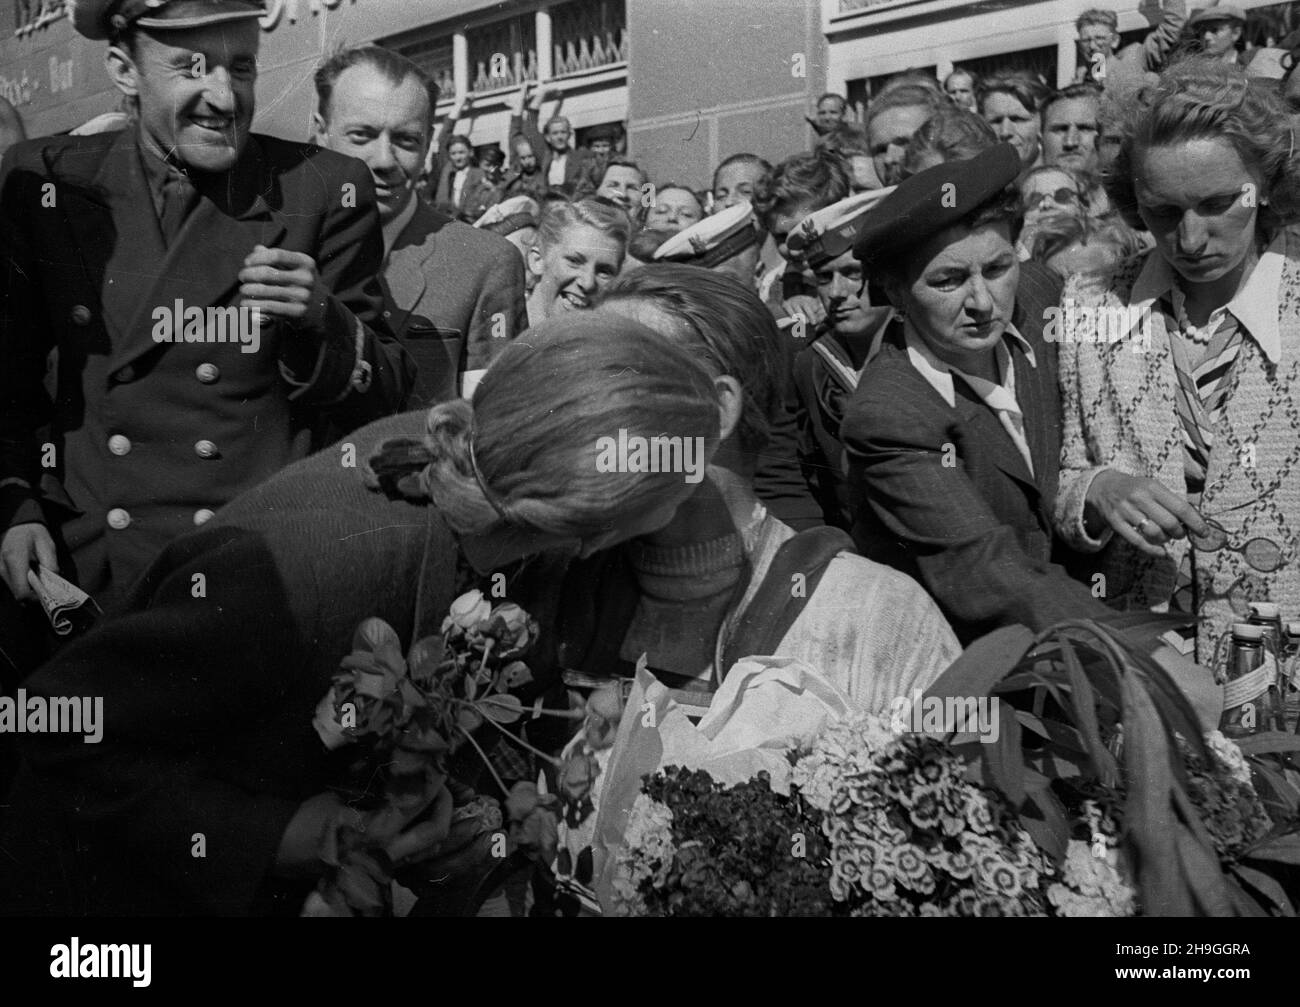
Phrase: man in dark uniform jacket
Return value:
(826, 371)
(208, 293)
(453, 294)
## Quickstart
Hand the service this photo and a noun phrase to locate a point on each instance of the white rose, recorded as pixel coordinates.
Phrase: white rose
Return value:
(468, 610)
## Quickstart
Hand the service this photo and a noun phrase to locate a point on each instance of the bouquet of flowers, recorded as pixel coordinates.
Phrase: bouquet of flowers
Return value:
(1101, 796)
(697, 848)
(404, 720)
(909, 834)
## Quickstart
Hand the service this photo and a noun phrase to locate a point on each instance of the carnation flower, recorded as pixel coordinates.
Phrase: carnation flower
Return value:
(646, 854)
(910, 862)
(1091, 885)
(1230, 755)
(958, 863)
(978, 813)
(880, 883)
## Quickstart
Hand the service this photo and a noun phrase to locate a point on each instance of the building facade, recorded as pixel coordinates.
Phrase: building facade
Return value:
(694, 80)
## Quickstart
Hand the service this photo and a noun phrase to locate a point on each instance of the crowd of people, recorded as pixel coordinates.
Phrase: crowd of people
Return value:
(996, 354)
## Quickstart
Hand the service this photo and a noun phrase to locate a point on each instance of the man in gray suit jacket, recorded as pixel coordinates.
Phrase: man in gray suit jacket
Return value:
(453, 294)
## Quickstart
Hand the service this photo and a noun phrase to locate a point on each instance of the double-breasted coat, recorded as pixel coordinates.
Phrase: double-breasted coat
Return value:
(131, 440)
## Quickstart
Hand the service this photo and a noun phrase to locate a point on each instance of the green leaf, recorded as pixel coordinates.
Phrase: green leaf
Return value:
(1246, 904)
(1280, 793)
(504, 709)
(1148, 812)
(1281, 849)
(1006, 763)
(1203, 875)
(1083, 703)
(1054, 766)
(469, 719)
(425, 656)
(1034, 724)
(984, 663)
(1049, 828)
(1142, 630)
(1266, 885)
(374, 634)
(1268, 741)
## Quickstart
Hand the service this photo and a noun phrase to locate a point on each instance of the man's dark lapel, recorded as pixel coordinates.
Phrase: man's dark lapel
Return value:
(233, 214)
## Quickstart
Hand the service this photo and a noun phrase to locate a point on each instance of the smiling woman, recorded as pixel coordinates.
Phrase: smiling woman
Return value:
(580, 247)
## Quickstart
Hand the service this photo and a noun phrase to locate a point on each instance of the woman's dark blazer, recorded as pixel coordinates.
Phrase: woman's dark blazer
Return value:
(942, 494)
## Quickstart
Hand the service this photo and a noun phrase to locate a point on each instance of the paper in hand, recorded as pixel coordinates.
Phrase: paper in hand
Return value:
(69, 609)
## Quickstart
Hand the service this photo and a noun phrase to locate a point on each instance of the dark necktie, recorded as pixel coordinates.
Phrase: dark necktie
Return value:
(179, 197)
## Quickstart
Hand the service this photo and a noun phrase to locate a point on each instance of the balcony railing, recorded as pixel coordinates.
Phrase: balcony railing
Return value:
(502, 54)
(587, 35)
(434, 57)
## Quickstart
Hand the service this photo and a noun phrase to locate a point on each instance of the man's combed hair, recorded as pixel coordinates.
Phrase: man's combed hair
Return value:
(1095, 15)
(820, 178)
(764, 166)
(1022, 87)
(951, 134)
(394, 66)
(907, 95)
(1200, 98)
(1072, 92)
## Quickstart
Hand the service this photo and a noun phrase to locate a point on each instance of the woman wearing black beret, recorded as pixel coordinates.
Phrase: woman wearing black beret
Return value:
(953, 436)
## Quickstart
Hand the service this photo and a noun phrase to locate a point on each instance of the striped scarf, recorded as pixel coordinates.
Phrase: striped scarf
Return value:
(1203, 360)
(1202, 384)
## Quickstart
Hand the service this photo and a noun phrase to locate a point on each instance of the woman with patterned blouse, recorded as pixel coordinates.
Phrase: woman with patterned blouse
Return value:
(1180, 391)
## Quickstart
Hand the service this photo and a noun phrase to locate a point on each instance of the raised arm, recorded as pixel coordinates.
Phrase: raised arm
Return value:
(1167, 22)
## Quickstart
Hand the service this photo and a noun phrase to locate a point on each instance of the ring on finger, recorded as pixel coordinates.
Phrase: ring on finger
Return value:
(1147, 527)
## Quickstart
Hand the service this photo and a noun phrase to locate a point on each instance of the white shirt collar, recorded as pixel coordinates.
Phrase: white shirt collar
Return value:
(938, 373)
(999, 398)
(1254, 305)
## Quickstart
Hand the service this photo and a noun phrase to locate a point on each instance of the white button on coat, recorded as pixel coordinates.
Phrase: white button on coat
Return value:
(200, 516)
(118, 518)
(119, 444)
(205, 449)
(207, 373)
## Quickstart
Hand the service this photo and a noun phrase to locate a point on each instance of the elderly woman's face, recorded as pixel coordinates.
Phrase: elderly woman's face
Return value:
(960, 291)
(1013, 124)
(1200, 203)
